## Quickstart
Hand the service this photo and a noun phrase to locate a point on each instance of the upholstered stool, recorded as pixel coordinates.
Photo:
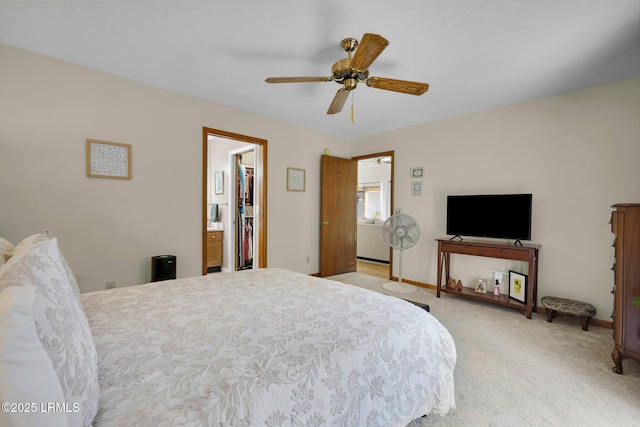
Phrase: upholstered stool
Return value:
(419, 304)
(583, 310)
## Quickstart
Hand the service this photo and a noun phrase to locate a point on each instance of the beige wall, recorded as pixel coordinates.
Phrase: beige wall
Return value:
(578, 153)
(110, 229)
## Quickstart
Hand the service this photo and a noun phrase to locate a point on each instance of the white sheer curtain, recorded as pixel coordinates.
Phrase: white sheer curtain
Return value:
(385, 199)
(372, 205)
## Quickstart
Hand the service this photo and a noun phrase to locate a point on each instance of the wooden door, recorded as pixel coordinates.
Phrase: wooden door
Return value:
(338, 216)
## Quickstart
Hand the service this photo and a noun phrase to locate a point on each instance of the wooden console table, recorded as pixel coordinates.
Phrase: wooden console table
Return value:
(528, 253)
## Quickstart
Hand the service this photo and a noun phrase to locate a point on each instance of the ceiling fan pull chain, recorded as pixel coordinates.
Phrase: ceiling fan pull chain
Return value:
(352, 116)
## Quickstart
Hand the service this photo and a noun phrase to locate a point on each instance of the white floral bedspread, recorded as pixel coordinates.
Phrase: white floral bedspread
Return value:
(266, 348)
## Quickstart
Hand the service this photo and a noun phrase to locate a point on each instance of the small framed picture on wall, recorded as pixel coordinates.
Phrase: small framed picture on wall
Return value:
(108, 159)
(295, 179)
(219, 182)
(416, 188)
(417, 173)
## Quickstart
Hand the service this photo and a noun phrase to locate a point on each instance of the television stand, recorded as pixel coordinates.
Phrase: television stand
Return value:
(527, 253)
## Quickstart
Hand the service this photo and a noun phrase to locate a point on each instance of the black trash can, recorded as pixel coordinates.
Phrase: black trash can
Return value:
(163, 267)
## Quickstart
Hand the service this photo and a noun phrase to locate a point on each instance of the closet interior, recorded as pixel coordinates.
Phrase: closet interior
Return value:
(245, 212)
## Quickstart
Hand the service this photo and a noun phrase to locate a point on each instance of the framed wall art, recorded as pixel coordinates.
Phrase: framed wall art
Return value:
(518, 286)
(108, 159)
(416, 188)
(295, 179)
(417, 173)
(218, 180)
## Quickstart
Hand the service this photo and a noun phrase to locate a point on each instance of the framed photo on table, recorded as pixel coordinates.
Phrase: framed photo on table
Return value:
(518, 286)
(481, 285)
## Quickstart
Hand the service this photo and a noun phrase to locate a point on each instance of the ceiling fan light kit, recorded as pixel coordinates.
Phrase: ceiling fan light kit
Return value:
(355, 69)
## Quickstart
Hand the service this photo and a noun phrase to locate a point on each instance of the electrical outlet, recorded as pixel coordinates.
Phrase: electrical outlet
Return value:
(110, 285)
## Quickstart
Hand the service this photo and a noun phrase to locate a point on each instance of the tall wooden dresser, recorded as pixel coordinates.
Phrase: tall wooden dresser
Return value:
(625, 224)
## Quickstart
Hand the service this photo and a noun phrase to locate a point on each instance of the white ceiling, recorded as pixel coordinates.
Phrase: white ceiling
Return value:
(475, 55)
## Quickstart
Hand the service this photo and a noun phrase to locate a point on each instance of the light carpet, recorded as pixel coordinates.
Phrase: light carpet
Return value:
(514, 371)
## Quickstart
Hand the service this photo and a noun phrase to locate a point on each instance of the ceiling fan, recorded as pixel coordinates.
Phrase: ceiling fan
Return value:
(378, 161)
(353, 70)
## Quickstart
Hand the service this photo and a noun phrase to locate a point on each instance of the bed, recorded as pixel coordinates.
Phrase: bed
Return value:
(266, 347)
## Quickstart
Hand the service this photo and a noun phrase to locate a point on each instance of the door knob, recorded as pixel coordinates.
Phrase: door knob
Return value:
(325, 222)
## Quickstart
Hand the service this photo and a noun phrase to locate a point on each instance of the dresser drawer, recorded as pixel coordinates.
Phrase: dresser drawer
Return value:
(506, 253)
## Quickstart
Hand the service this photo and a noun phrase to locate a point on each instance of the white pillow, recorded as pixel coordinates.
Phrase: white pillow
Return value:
(6, 247)
(26, 372)
(29, 242)
(60, 321)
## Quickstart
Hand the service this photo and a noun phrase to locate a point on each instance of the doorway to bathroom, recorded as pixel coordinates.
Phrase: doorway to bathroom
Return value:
(234, 207)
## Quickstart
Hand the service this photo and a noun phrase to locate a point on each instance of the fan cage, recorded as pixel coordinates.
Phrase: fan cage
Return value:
(401, 231)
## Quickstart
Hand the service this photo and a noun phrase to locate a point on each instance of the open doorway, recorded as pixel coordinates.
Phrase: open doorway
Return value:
(222, 235)
(374, 206)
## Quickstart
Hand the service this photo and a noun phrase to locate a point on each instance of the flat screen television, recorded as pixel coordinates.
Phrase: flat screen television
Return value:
(500, 216)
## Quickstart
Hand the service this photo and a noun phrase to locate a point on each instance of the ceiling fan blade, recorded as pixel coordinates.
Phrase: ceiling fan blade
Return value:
(297, 79)
(368, 50)
(338, 101)
(404, 86)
